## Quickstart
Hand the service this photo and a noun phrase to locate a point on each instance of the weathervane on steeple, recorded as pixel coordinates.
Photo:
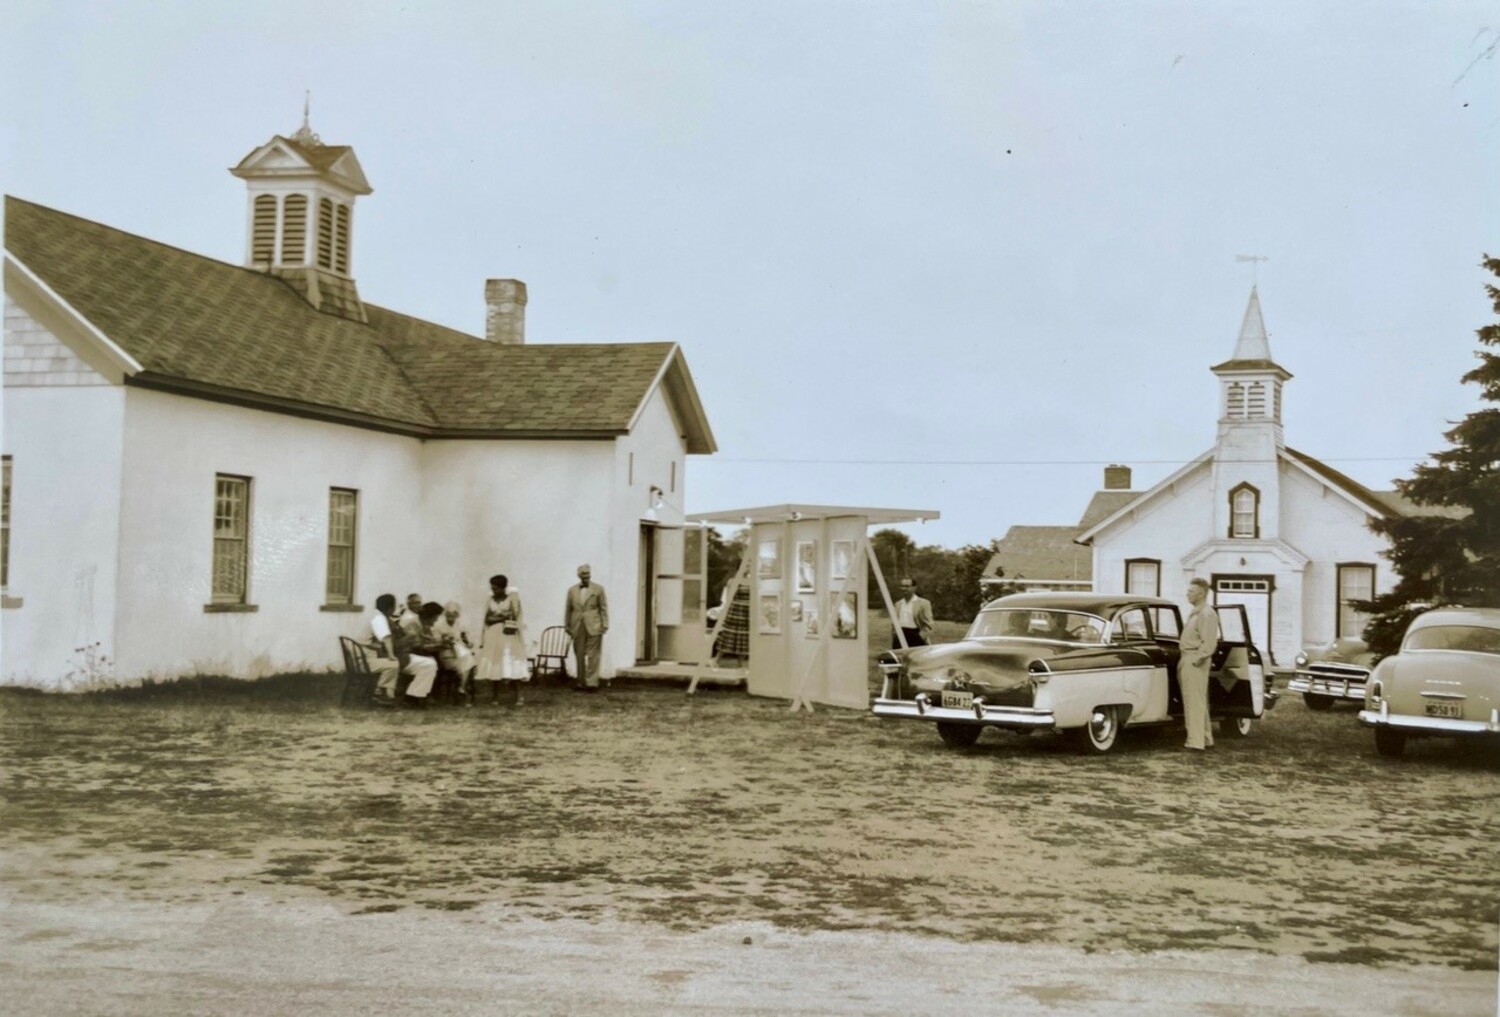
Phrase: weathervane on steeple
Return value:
(1255, 260)
(305, 133)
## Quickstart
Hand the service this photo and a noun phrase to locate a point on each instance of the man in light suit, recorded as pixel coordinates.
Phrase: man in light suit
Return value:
(587, 619)
(1197, 643)
(913, 616)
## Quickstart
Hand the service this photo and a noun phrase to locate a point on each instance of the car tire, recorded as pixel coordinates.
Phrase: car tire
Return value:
(1317, 702)
(1100, 734)
(958, 736)
(1235, 727)
(1389, 742)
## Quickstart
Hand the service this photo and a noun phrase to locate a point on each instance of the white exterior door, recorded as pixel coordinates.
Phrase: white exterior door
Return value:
(1254, 594)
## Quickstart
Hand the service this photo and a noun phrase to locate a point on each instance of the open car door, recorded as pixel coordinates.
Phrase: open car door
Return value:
(1236, 686)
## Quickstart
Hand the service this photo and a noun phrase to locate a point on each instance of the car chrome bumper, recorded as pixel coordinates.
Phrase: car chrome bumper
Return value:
(981, 713)
(1437, 725)
(1323, 685)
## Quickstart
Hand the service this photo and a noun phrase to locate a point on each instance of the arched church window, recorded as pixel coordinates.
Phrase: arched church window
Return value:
(341, 239)
(263, 229)
(1255, 406)
(294, 230)
(325, 233)
(1244, 512)
(1235, 401)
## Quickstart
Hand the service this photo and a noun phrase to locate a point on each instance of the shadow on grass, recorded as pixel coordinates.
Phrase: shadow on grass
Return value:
(301, 689)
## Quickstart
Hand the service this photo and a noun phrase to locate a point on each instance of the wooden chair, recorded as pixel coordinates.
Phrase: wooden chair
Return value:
(359, 679)
(552, 653)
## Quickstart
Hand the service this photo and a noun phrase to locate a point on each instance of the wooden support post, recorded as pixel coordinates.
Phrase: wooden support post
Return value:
(885, 595)
(741, 575)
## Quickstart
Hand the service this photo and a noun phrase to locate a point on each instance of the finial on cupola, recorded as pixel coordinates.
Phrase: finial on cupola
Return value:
(305, 134)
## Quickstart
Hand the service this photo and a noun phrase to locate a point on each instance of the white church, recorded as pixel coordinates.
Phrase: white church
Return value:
(213, 468)
(1268, 526)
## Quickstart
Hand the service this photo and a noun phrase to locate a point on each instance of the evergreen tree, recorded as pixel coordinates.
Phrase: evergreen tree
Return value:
(1453, 554)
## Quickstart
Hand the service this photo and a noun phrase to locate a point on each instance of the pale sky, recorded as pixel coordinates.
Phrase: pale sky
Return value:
(951, 256)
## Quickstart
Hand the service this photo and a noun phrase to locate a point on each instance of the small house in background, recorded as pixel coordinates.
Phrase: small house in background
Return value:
(1268, 526)
(214, 468)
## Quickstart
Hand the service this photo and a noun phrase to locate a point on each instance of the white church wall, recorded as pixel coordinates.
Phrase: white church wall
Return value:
(652, 455)
(1329, 529)
(1166, 528)
(173, 448)
(532, 511)
(59, 615)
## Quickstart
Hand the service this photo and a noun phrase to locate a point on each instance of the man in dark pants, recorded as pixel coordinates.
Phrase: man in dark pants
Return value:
(913, 617)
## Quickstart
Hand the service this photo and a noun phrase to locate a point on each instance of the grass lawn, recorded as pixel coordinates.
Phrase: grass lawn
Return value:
(646, 804)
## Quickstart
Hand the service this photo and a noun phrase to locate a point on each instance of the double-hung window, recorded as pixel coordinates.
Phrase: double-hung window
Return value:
(343, 512)
(1356, 582)
(231, 568)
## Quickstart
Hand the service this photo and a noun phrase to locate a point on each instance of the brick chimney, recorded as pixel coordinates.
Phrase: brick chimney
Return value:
(505, 311)
(1116, 478)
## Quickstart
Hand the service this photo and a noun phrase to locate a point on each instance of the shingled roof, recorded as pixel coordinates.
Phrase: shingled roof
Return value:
(1041, 553)
(206, 327)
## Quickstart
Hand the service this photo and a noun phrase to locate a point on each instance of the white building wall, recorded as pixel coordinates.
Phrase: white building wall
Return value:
(1166, 528)
(532, 511)
(1330, 530)
(59, 615)
(173, 448)
(644, 458)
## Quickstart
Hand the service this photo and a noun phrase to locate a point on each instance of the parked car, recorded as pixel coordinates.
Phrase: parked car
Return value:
(1086, 665)
(1444, 681)
(1333, 672)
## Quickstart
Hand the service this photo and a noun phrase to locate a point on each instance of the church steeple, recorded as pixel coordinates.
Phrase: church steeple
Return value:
(1250, 381)
(301, 215)
(1247, 479)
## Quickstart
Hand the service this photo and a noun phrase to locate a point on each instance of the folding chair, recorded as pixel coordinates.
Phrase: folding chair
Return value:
(358, 678)
(552, 653)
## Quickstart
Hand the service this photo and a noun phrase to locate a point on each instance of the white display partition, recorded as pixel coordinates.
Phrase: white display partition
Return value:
(808, 570)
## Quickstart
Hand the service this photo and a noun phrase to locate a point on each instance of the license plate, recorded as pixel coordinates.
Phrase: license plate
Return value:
(958, 700)
(1445, 709)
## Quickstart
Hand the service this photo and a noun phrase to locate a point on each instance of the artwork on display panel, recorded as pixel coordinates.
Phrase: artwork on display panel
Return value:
(794, 612)
(842, 561)
(769, 559)
(807, 566)
(845, 616)
(770, 614)
(811, 629)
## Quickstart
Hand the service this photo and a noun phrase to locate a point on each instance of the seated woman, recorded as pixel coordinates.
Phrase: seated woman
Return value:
(458, 651)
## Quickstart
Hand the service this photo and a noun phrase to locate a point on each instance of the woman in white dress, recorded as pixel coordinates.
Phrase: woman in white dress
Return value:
(502, 650)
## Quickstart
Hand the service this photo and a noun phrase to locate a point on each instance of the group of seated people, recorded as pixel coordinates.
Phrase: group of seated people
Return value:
(423, 640)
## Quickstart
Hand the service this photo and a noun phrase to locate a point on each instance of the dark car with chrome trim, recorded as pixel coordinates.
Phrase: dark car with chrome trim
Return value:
(1444, 681)
(1082, 664)
(1333, 672)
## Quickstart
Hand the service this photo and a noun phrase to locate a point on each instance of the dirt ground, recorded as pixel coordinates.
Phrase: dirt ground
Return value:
(613, 852)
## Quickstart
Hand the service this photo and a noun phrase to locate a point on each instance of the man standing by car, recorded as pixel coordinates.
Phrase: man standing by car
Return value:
(913, 616)
(1200, 638)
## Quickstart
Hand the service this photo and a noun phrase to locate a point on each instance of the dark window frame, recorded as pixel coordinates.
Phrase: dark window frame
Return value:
(1338, 595)
(1143, 561)
(1255, 512)
(332, 597)
(242, 598)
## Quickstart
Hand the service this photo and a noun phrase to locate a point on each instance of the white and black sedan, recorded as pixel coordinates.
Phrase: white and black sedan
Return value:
(1086, 665)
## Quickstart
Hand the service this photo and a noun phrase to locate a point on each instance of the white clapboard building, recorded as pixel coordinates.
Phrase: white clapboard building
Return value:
(214, 468)
(1268, 526)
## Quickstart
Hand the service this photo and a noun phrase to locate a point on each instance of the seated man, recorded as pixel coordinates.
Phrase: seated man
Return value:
(421, 650)
(386, 666)
(410, 618)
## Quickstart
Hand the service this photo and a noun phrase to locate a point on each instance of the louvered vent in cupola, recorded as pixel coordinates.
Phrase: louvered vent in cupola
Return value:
(341, 239)
(263, 230)
(1235, 401)
(294, 231)
(1256, 407)
(325, 233)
